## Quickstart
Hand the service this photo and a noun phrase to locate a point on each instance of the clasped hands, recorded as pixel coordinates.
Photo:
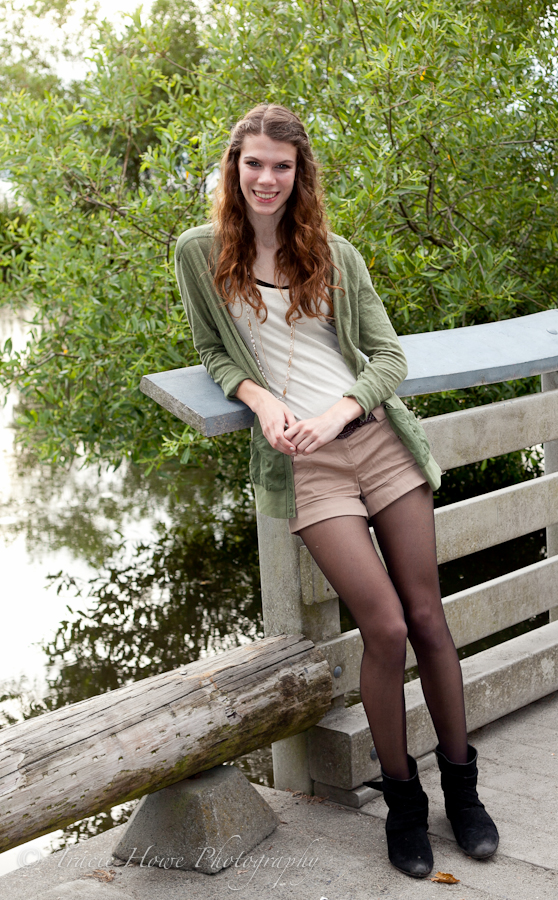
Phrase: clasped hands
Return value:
(285, 433)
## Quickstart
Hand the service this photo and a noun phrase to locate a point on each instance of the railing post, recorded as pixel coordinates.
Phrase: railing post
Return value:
(285, 611)
(549, 382)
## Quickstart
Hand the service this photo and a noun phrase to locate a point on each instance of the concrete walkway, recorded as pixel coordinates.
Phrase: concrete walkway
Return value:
(340, 854)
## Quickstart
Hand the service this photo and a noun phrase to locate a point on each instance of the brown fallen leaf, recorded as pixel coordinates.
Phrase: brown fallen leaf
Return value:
(444, 878)
(102, 874)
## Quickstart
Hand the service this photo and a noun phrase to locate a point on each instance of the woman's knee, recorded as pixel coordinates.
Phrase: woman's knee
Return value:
(387, 639)
(427, 626)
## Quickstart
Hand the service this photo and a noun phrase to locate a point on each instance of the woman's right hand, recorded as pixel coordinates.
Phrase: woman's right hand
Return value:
(274, 415)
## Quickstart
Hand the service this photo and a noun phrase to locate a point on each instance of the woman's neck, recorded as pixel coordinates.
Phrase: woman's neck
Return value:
(264, 264)
(267, 244)
(265, 230)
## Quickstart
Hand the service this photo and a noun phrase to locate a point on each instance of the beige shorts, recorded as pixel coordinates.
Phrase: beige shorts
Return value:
(356, 476)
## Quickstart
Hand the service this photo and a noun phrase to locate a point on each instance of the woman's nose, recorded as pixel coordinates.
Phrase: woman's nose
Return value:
(267, 176)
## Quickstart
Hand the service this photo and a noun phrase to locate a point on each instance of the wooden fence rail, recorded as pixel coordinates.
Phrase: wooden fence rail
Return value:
(87, 757)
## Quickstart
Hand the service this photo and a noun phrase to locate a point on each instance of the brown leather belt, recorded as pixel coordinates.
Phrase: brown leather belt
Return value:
(351, 427)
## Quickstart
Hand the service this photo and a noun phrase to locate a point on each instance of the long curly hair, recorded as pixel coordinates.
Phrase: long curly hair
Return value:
(303, 256)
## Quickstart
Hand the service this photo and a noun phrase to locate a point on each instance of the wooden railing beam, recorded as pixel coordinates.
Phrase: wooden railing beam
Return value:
(155, 732)
(468, 526)
(471, 615)
(481, 522)
(446, 360)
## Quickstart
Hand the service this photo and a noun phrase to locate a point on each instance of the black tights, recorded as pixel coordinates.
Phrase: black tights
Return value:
(389, 607)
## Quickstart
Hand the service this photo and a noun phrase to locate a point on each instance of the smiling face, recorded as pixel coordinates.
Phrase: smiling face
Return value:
(267, 170)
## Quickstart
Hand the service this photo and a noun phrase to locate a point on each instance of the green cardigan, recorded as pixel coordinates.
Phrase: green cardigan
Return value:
(362, 327)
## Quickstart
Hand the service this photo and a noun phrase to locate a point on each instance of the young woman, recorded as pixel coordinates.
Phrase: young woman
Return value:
(281, 312)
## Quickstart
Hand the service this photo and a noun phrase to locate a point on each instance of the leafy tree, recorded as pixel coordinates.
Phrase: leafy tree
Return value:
(435, 125)
(96, 251)
(36, 36)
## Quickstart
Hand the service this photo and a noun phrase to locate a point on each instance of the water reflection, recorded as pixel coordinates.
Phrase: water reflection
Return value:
(172, 565)
(193, 590)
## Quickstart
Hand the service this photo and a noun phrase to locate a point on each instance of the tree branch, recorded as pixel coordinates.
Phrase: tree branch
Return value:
(224, 84)
(359, 26)
(426, 236)
(430, 195)
(125, 215)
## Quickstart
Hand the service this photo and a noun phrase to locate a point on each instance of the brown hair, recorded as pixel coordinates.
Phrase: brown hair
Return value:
(304, 256)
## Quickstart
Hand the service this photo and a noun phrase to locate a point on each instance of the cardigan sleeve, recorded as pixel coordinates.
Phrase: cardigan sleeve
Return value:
(205, 333)
(386, 367)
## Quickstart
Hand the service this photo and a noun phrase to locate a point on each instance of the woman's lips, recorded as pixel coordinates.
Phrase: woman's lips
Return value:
(266, 196)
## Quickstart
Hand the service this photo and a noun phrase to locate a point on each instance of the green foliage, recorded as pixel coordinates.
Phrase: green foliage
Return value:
(435, 126)
(36, 36)
(96, 256)
(12, 256)
(436, 131)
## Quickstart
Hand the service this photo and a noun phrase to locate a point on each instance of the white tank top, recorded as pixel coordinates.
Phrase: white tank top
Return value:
(319, 376)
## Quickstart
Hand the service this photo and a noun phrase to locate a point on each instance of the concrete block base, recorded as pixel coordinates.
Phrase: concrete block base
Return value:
(204, 823)
(339, 749)
(290, 764)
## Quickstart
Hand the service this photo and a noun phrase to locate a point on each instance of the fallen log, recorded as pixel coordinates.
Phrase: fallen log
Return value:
(85, 758)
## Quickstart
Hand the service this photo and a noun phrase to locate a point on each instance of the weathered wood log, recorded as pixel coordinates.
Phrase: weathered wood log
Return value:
(87, 757)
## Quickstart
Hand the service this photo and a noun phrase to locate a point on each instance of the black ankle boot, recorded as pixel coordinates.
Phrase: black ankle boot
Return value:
(474, 830)
(407, 823)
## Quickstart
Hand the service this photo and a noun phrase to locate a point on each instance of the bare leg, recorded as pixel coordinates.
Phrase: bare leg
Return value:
(406, 535)
(345, 553)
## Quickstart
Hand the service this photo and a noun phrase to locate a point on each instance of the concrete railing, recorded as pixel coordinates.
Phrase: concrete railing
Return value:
(335, 757)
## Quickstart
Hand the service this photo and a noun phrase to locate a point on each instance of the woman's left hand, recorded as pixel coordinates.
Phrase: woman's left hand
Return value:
(308, 435)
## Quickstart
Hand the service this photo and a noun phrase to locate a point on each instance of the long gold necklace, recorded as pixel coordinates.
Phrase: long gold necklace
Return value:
(257, 356)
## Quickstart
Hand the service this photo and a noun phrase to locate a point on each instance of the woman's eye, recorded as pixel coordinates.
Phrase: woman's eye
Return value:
(253, 163)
